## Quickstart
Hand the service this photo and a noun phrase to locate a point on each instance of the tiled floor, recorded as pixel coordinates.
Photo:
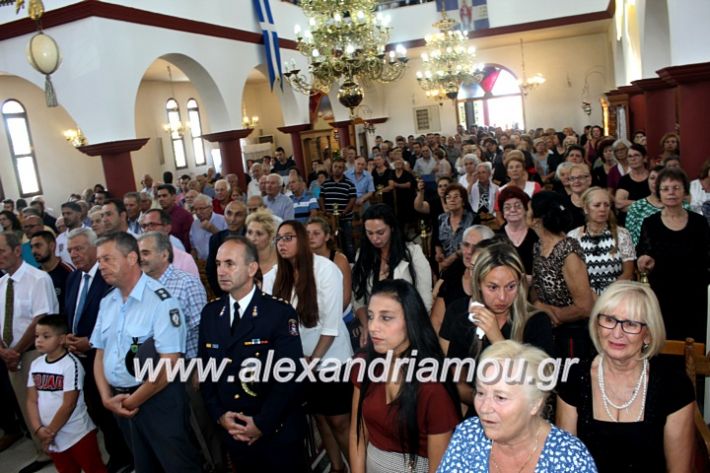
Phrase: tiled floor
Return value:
(19, 455)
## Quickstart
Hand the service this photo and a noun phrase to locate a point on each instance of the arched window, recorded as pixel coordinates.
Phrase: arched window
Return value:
(21, 149)
(495, 101)
(193, 116)
(176, 130)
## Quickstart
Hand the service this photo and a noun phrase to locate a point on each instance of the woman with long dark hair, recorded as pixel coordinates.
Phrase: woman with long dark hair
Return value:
(400, 424)
(385, 255)
(314, 287)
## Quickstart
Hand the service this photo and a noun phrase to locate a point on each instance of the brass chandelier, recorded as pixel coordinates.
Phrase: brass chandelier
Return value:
(345, 41)
(449, 61)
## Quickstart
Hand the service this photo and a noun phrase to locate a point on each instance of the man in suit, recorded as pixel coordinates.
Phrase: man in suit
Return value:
(262, 422)
(84, 291)
(235, 214)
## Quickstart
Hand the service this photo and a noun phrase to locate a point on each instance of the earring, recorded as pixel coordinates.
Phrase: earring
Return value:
(644, 347)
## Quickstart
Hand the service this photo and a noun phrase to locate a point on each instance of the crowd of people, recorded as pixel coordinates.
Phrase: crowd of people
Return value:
(489, 246)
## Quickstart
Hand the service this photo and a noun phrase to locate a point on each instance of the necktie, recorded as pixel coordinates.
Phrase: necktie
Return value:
(235, 321)
(82, 301)
(9, 312)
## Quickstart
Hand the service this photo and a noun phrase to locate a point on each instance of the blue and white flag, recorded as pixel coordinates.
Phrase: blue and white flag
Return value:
(271, 41)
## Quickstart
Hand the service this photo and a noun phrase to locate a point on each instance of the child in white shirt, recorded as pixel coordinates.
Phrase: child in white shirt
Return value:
(55, 402)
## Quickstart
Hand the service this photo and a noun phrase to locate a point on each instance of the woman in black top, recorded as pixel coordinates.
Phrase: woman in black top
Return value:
(632, 410)
(498, 283)
(634, 185)
(513, 204)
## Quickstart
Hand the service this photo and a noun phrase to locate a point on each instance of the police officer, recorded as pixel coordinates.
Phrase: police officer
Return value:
(262, 422)
(153, 415)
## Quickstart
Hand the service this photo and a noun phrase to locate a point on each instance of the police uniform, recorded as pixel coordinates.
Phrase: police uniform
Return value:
(266, 325)
(158, 433)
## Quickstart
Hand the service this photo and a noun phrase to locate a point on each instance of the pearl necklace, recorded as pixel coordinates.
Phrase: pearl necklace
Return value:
(527, 460)
(641, 386)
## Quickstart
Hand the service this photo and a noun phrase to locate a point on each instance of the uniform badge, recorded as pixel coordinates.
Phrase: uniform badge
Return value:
(293, 327)
(221, 312)
(175, 317)
(247, 389)
(254, 312)
(162, 293)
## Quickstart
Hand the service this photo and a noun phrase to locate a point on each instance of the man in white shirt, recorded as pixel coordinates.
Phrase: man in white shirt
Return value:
(26, 294)
(208, 223)
(71, 212)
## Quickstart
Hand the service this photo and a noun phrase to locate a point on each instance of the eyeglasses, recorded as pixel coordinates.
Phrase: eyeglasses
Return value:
(200, 209)
(579, 178)
(670, 188)
(285, 238)
(150, 225)
(516, 206)
(629, 326)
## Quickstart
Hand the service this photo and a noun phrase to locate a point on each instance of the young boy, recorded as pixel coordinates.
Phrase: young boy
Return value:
(55, 402)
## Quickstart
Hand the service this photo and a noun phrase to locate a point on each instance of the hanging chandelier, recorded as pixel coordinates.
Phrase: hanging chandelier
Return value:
(344, 43)
(448, 62)
(528, 83)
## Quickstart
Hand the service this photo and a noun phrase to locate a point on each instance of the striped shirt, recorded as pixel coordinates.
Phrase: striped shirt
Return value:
(338, 192)
(303, 205)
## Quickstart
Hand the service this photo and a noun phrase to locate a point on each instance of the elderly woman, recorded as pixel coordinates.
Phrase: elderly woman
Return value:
(561, 184)
(621, 153)
(673, 250)
(261, 230)
(513, 203)
(642, 208)
(515, 167)
(484, 193)
(633, 410)
(634, 185)
(399, 426)
(510, 433)
(580, 179)
(540, 156)
(384, 254)
(449, 229)
(608, 250)
(560, 282)
(456, 280)
(469, 176)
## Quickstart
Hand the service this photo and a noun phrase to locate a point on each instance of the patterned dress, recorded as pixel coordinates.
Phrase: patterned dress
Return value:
(604, 257)
(469, 451)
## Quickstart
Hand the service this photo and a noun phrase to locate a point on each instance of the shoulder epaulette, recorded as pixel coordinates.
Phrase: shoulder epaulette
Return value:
(162, 293)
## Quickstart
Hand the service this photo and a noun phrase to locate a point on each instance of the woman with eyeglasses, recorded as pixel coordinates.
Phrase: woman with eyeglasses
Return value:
(632, 409)
(580, 179)
(384, 254)
(314, 287)
(634, 185)
(608, 250)
(514, 203)
(448, 231)
(673, 251)
(496, 310)
(455, 282)
(261, 228)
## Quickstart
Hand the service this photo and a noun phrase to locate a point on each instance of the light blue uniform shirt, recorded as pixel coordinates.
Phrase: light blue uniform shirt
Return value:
(149, 311)
(363, 185)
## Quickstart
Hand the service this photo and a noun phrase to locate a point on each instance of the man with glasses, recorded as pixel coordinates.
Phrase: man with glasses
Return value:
(156, 220)
(207, 224)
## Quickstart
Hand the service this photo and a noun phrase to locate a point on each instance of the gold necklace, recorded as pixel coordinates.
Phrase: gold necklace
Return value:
(527, 460)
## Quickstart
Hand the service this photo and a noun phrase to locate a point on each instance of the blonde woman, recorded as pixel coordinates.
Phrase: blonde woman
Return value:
(261, 230)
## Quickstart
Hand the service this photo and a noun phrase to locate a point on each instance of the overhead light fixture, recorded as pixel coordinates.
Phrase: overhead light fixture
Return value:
(528, 83)
(448, 62)
(345, 44)
(75, 137)
(248, 122)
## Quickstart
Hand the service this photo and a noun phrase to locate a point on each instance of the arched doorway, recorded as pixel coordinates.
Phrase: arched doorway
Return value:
(494, 101)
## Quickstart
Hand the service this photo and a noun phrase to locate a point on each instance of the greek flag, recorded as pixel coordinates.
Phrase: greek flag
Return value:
(271, 41)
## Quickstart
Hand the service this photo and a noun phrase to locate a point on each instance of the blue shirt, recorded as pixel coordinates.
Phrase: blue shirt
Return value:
(149, 311)
(469, 452)
(362, 185)
(303, 205)
(200, 238)
(190, 293)
(281, 206)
